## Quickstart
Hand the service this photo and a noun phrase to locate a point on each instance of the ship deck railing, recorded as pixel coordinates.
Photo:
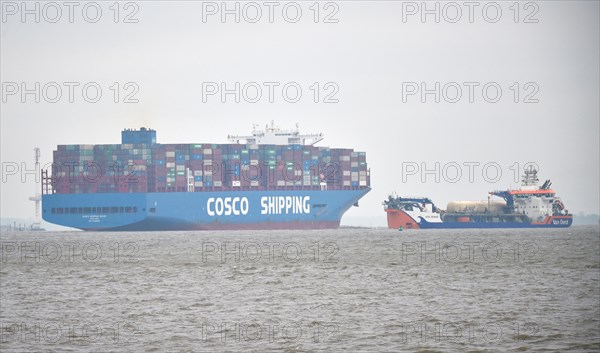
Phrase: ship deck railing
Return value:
(48, 190)
(483, 214)
(279, 188)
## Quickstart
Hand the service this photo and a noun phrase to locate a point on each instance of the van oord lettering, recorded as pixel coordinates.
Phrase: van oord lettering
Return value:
(227, 206)
(285, 204)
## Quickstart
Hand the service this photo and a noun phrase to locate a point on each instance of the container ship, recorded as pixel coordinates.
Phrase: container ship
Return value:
(528, 207)
(271, 179)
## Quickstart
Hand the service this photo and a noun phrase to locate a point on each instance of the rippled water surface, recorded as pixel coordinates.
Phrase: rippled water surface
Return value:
(345, 290)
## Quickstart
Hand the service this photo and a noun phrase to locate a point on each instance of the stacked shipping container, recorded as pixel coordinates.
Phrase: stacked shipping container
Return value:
(152, 167)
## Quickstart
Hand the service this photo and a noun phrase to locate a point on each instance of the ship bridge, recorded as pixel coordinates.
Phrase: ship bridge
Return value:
(141, 136)
(273, 135)
(529, 188)
(535, 202)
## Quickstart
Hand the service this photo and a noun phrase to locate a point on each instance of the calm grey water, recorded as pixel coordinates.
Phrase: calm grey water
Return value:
(293, 291)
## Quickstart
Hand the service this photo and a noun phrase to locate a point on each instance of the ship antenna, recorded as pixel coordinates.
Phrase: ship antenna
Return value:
(530, 176)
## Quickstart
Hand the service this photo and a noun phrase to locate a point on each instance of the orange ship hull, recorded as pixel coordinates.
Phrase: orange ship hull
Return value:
(398, 218)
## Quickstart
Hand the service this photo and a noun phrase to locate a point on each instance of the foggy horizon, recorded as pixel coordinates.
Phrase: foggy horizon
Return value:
(547, 71)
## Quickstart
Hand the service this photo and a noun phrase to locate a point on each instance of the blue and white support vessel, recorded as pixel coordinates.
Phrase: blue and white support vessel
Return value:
(528, 207)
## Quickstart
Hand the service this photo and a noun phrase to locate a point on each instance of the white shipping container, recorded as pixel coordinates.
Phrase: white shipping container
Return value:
(354, 164)
(197, 173)
(197, 183)
(218, 183)
(280, 183)
(354, 175)
(254, 183)
(170, 154)
(346, 183)
(235, 183)
(170, 164)
(180, 168)
(207, 151)
(346, 173)
(363, 183)
(207, 162)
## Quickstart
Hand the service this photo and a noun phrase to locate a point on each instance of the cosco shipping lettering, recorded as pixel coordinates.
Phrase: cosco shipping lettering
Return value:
(271, 179)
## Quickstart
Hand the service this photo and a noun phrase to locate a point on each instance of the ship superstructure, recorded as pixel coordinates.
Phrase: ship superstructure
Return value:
(276, 136)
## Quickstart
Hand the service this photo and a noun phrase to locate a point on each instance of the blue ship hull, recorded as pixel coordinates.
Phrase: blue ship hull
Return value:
(285, 209)
(549, 222)
(401, 219)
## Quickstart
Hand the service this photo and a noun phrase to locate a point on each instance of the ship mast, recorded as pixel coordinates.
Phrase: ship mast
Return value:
(37, 198)
(530, 177)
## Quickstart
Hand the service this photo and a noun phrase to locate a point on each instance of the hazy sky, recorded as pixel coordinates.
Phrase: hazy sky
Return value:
(373, 57)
